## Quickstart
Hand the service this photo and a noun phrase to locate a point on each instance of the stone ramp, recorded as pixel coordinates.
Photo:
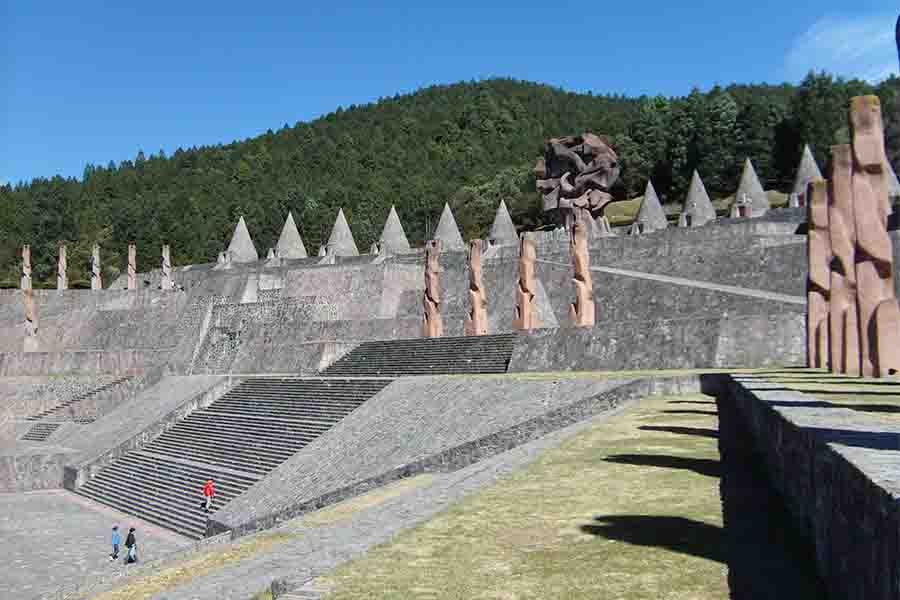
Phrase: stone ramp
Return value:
(235, 441)
(60, 409)
(427, 356)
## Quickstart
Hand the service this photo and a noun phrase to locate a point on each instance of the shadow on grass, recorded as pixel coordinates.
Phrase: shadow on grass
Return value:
(701, 466)
(699, 431)
(675, 533)
(684, 411)
(690, 402)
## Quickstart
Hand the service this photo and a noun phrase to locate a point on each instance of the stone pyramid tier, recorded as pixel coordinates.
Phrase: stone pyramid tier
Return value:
(448, 232)
(290, 244)
(340, 242)
(393, 238)
(241, 248)
(651, 216)
(503, 231)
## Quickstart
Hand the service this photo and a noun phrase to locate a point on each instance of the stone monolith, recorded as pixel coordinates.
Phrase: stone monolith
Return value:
(241, 248)
(476, 322)
(447, 232)
(62, 278)
(25, 283)
(290, 244)
(525, 317)
(165, 266)
(393, 237)
(341, 242)
(96, 275)
(581, 312)
(132, 266)
(818, 286)
(432, 324)
(750, 192)
(30, 343)
(843, 319)
(879, 313)
(651, 215)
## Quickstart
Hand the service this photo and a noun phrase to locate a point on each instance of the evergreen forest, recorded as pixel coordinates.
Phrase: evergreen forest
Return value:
(470, 144)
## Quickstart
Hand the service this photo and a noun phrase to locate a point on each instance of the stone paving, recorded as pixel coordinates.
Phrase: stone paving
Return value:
(319, 549)
(49, 538)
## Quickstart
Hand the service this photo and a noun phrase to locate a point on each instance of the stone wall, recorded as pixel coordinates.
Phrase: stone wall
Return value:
(119, 362)
(836, 470)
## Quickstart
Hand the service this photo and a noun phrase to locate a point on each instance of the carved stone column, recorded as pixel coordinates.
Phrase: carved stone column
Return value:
(26, 267)
(525, 318)
(30, 343)
(476, 318)
(132, 266)
(843, 320)
(879, 314)
(432, 324)
(62, 265)
(166, 282)
(581, 313)
(818, 288)
(96, 277)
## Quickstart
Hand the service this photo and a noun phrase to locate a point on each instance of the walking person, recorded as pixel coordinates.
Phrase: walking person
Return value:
(208, 492)
(131, 545)
(115, 540)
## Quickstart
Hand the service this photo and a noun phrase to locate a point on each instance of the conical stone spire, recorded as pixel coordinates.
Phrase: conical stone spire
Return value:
(290, 244)
(241, 248)
(448, 232)
(752, 189)
(503, 232)
(393, 238)
(698, 209)
(340, 242)
(651, 215)
(806, 172)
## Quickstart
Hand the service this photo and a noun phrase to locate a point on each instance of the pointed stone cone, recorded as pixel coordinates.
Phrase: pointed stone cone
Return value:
(651, 214)
(750, 185)
(271, 254)
(698, 208)
(290, 244)
(340, 242)
(323, 251)
(635, 229)
(806, 172)
(503, 232)
(373, 249)
(241, 248)
(448, 232)
(393, 238)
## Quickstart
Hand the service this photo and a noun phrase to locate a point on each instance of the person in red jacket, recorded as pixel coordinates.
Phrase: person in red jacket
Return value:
(208, 492)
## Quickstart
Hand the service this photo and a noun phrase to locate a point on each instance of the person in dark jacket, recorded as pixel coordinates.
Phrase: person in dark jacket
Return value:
(131, 545)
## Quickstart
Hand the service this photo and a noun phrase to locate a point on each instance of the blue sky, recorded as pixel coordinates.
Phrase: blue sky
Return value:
(89, 82)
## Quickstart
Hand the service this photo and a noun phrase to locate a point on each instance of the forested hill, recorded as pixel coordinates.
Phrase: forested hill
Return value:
(467, 143)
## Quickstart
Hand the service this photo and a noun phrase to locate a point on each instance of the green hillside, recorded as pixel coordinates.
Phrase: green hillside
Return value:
(469, 143)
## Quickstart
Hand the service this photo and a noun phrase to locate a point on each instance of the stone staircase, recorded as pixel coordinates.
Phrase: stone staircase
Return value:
(41, 431)
(59, 409)
(427, 356)
(235, 441)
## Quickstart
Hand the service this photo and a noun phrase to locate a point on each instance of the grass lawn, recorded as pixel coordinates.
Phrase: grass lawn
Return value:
(627, 509)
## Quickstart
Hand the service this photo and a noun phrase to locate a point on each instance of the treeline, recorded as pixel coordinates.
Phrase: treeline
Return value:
(468, 143)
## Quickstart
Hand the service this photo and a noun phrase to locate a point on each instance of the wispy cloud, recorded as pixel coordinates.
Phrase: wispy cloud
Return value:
(860, 47)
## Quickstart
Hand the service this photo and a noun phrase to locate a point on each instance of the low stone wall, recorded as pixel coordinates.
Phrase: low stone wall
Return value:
(837, 472)
(35, 470)
(745, 341)
(86, 362)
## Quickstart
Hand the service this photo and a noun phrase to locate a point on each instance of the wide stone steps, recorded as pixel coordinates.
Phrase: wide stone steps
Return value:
(64, 405)
(236, 441)
(39, 432)
(427, 356)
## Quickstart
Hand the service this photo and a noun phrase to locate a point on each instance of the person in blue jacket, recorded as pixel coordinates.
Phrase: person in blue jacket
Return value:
(115, 543)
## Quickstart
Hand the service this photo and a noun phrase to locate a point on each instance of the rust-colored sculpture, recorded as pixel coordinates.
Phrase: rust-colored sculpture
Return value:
(818, 287)
(476, 318)
(26, 267)
(843, 328)
(576, 174)
(432, 324)
(132, 266)
(96, 277)
(62, 279)
(525, 317)
(581, 313)
(166, 283)
(878, 310)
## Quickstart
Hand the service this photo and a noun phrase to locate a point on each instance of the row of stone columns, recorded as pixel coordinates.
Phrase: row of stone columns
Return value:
(62, 280)
(581, 311)
(853, 317)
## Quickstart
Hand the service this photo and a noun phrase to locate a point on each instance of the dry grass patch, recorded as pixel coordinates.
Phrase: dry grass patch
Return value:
(169, 577)
(626, 509)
